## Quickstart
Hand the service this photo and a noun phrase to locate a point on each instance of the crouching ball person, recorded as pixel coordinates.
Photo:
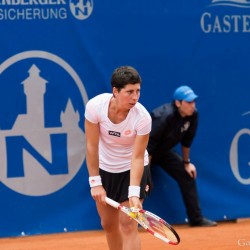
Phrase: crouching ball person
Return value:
(117, 130)
(172, 124)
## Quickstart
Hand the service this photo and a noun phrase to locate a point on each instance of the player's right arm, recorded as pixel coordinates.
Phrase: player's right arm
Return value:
(92, 131)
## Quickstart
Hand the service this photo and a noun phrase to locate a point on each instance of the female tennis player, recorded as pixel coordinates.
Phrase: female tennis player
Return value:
(117, 130)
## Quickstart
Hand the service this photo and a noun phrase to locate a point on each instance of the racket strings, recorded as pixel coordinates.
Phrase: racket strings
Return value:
(156, 226)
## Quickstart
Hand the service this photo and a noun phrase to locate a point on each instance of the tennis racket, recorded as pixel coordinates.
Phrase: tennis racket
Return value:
(150, 222)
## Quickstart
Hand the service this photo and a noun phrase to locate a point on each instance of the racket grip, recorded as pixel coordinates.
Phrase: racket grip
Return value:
(112, 203)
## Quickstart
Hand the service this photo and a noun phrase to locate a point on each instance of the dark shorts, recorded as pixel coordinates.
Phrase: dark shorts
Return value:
(116, 184)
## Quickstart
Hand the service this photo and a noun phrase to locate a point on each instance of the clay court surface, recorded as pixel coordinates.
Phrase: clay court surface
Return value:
(226, 236)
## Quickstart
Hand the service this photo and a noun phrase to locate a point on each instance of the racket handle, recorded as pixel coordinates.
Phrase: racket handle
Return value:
(112, 203)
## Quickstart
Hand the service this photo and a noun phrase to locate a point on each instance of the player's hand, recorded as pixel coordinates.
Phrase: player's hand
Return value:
(135, 202)
(98, 193)
(191, 169)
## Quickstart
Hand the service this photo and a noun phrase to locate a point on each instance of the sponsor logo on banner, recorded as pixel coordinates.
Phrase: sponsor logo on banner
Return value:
(226, 16)
(17, 10)
(42, 144)
(240, 166)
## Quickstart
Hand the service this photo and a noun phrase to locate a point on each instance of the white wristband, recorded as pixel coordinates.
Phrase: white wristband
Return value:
(134, 191)
(95, 181)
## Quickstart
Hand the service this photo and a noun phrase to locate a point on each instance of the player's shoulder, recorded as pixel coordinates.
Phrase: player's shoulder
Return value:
(100, 99)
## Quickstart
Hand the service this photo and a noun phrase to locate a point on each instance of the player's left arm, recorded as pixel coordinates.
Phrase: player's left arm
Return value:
(137, 163)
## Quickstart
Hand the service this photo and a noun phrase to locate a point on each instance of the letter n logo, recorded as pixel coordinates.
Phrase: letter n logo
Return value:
(17, 145)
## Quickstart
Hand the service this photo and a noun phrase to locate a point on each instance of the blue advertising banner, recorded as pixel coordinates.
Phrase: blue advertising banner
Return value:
(57, 54)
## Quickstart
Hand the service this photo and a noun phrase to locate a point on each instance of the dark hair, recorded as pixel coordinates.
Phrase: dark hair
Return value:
(124, 75)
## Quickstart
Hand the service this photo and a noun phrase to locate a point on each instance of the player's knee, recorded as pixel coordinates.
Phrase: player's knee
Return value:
(128, 226)
(109, 226)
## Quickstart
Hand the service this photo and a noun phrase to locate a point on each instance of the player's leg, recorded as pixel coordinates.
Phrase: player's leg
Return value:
(129, 230)
(110, 216)
(129, 227)
(110, 223)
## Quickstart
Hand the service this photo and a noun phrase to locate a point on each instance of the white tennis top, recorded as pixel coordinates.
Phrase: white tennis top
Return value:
(117, 140)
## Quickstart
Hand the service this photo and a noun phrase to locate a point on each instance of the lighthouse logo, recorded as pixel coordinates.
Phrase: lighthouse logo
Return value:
(43, 146)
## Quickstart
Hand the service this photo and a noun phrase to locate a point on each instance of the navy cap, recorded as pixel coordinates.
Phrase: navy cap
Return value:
(184, 93)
